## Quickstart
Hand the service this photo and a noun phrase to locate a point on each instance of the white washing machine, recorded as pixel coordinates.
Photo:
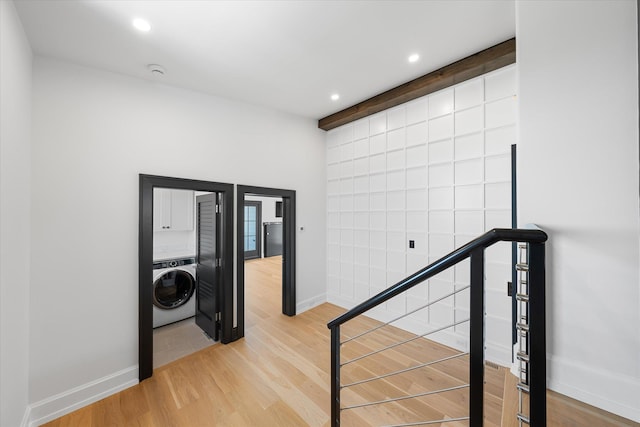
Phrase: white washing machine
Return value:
(174, 290)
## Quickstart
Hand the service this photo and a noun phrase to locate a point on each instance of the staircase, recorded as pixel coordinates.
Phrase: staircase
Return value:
(383, 375)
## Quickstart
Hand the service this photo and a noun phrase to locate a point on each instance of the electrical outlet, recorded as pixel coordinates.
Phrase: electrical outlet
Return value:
(509, 289)
(412, 244)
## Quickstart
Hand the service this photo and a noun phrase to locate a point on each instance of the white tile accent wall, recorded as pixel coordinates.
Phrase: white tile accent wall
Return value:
(436, 170)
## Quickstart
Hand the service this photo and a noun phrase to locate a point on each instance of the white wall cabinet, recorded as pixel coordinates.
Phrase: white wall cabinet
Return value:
(172, 210)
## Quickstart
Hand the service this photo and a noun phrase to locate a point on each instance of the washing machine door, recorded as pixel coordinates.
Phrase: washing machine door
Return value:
(173, 289)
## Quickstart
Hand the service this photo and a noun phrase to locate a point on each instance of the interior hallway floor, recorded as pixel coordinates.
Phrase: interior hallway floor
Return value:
(278, 375)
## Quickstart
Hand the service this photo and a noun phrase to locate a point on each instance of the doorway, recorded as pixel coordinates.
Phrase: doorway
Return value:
(224, 273)
(288, 248)
(252, 229)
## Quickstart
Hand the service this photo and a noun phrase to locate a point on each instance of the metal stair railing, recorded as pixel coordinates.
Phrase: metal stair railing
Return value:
(532, 354)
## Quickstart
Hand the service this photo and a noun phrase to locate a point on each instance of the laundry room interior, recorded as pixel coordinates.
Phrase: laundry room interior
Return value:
(175, 236)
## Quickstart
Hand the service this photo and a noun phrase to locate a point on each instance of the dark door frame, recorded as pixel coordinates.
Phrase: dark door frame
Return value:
(258, 227)
(145, 261)
(288, 243)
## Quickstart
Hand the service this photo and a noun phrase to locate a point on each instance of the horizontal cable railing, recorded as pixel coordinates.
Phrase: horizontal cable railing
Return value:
(473, 250)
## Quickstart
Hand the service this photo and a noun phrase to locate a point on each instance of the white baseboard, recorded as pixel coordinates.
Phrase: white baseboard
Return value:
(63, 403)
(309, 303)
(605, 390)
(25, 417)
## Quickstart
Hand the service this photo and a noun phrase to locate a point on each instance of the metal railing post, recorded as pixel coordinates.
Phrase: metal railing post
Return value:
(476, 340)
(335, 376)
(537, 337)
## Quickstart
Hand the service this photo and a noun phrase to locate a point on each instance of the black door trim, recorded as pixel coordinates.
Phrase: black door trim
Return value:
(145, 261)
(288, 254)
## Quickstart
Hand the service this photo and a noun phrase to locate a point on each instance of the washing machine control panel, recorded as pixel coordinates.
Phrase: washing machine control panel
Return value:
(171, 263)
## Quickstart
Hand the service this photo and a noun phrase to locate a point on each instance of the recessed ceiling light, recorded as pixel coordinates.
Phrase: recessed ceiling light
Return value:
(141, 25)
(156, 70)
(414, 57)
(335, 97)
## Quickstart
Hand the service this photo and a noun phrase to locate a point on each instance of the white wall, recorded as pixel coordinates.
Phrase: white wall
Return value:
(93, 133)
(15, 148)
(436, 170)
(578, 180)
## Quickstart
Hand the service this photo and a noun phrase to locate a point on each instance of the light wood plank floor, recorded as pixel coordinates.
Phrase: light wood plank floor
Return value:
(278, 375)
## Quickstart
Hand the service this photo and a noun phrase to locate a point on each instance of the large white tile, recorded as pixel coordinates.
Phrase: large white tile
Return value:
(469, 222)
(395, 180)
(333, 236)
(377, 182)
(361, 184)
(497, 219)
(498, 196)
(469, 146)
(346, 186)
(333, 137)
(346, 287)
(333, 187)
(378, 258)
(361, 166)
(361, 276)
(361, 148)
(346, 258)
(440, 244)
(500, 83)
(395, 200)
(346, 219)
(333, 171)
(441, 175)
(346, 203)
(440, 314)
(468, 121)
(500, 252)
(498, 168)
(417, 134)
(346, 169)
(417, 221)
(416, 262)
(417, 110)
(469, 197)
(361, 202)
(441, 128)
(440, 103)
(378, 201)
(500, 113)
(395, 160)
(469, 94)
(378, 123)
(395, 257)
(346, 237)
(416, 155)
(416, 200)
(361, 128)
(441, 222)
(441, 198)
(469, 172)
(333, 219)
(378, 163)
(441, 151)
(439, 289)
(346, 151)
(361, 241)
(396, 139)
(378, 276)
(499, 141)
(378, 239)
(378, 220)
(396, 118)
(377, 144)
(333, 203)
(417, 178)
(361, 220)
(333, 258)
(396, 221)
(396, 242)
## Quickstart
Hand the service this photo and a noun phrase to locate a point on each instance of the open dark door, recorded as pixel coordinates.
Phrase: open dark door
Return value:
(207, 264)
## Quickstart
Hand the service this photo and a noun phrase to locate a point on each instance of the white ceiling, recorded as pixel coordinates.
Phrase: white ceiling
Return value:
(287, 55)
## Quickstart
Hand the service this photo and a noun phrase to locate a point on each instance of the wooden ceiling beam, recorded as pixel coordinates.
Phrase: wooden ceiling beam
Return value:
(487, 60)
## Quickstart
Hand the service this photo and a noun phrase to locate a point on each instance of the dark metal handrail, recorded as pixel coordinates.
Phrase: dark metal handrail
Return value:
(475, 251)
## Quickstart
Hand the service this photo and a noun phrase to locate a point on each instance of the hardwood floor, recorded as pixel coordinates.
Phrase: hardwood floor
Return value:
(278, 375)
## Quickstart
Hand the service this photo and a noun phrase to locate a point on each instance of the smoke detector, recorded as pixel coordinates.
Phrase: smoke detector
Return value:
(156, 70)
